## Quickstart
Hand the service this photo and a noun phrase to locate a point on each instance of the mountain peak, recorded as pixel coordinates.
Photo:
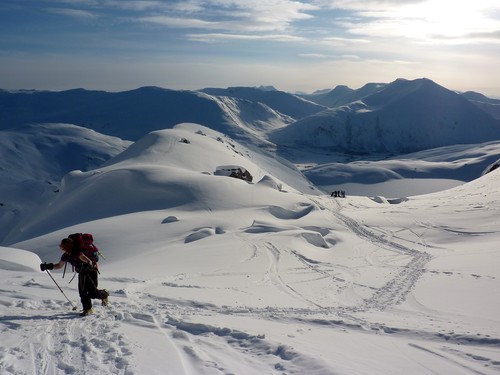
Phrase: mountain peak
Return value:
(404, 116)
(399, 89)
(266, 88)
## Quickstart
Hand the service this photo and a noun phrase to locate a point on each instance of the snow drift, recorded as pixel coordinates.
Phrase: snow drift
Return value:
(167, 169)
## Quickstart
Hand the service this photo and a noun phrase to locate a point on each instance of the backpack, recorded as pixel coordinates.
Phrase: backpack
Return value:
(84, 242)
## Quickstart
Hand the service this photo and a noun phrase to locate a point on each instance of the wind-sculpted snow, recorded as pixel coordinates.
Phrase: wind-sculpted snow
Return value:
(214, 275)
(160, 171)
(281, 213)
(18, 260)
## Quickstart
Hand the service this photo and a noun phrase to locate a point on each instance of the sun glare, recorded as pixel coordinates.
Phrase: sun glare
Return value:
(441, 19)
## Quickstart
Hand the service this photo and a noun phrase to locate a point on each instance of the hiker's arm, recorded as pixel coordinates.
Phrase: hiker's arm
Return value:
(60, 264)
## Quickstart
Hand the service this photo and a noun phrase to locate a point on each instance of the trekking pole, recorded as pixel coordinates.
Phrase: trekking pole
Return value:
(71, 303)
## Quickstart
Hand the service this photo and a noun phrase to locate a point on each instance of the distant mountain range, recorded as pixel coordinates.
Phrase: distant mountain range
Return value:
(40, 144)
(492, 106)
(402, 116)
(132, 114)
(342, 95)
(288, 104)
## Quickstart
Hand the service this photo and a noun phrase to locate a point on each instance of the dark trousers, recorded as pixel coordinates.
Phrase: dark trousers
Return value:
(87, 287)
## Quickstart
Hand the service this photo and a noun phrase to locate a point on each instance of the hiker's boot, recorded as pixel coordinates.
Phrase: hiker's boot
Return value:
(87, 312)
(104, 297)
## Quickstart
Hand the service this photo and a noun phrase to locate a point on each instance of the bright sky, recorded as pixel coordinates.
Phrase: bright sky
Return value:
(296, 45)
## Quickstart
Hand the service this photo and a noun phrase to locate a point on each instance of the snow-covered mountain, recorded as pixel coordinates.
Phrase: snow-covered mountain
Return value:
(210, 274)
(133, 114)
(34, 159)
(400, 117)
(288, 104)
(492, 106)
(342, 95)
(38, 156)
(411, 174)
(405, 116)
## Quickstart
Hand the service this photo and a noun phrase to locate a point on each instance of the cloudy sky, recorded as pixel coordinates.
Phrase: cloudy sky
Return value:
(296, 45)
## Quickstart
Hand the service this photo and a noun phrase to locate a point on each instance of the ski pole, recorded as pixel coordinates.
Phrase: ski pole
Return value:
(71, 303)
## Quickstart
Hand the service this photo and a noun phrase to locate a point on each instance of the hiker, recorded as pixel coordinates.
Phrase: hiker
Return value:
(87, 274)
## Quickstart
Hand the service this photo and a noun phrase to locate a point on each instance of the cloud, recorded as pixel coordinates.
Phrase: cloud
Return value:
(314, 55)
(270, 37)
(319, 56)
(77, 2)
(73, 13)
(365, 4)
(421, 21)
(231, 15)
(141, 5)
(429, 21)
(183, 23)
(341, 41)
(493, 36)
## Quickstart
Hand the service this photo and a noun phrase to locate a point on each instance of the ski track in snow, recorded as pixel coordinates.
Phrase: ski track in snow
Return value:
(392, 293)
(400, 285)
(64, 342)
(274, 275)
(67, 344)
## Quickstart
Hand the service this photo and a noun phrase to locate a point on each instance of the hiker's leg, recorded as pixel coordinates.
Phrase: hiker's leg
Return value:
(94, 292)
(93, 275)
(83, 291)
(93, 280)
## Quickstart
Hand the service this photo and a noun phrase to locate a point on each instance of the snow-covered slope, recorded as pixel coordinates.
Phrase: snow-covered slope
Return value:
(133, 114)
(244, 278)
(52, 150)
(288, 104)
(405, 116)
(34, 159)
(168, 168)
(214, 275)
(491, 106)
(342, 95)
(410, 174)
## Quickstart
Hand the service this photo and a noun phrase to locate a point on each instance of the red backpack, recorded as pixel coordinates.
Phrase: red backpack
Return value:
(85, 243)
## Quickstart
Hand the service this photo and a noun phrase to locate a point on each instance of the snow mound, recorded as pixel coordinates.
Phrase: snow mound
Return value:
(270, 182)
(34, 158)
(282, 213)
(315, 239)
(170, 219)
(18, 260)
(156, 173)
(379, 199)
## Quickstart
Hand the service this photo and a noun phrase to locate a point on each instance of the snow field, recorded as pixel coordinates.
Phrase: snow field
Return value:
(212, 275)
